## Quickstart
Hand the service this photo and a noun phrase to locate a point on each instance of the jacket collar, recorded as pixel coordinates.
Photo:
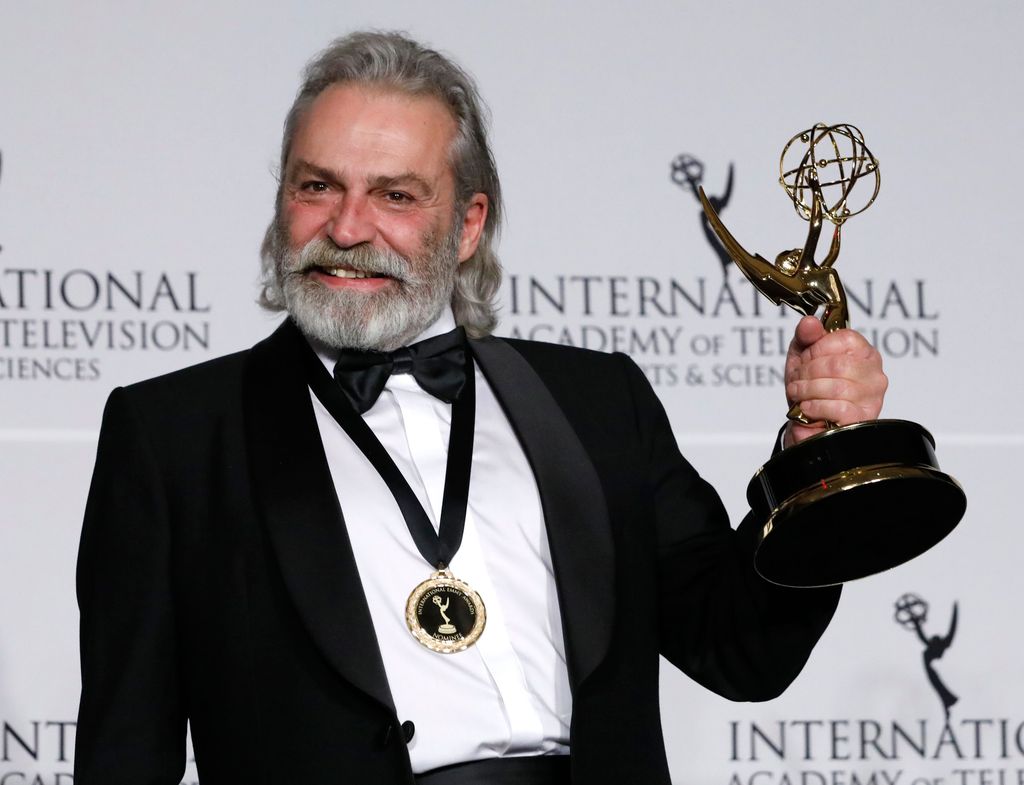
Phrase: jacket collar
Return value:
(295, 493)
(575, 512)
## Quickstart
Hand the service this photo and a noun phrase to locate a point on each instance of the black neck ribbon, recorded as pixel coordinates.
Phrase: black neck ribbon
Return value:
(439, 547)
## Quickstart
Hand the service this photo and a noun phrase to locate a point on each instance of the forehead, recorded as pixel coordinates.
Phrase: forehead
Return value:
(364, 127)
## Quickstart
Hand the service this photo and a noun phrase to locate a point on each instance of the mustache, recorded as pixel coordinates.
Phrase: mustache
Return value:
(321, 253)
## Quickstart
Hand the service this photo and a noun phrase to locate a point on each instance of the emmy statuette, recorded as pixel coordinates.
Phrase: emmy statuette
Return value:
(858, 499)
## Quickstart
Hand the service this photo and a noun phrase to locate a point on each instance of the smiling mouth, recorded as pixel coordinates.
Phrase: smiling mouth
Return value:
(341, 272)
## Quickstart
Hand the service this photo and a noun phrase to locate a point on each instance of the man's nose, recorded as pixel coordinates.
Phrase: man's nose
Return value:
(351, 222)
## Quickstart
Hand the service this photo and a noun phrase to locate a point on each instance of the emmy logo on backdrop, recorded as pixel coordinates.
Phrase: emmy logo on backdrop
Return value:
(861, 498)
(912, 613)
(688, 172)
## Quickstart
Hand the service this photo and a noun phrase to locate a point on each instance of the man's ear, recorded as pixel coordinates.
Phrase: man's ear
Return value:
(473, 220)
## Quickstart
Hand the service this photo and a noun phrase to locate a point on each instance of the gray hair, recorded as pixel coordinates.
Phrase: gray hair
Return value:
(393, 61)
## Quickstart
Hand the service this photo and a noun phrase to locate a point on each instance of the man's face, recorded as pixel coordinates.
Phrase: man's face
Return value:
(369, 241)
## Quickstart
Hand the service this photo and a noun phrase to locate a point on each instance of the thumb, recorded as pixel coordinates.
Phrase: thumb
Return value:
(808, 331)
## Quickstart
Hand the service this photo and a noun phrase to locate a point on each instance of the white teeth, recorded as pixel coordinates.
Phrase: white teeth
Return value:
(338, 272)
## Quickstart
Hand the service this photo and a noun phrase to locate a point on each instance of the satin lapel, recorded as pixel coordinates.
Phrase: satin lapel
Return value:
(295, 492)
(575, 512)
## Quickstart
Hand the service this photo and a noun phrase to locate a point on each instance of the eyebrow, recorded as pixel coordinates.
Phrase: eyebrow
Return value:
(303, 167)
(382, 181)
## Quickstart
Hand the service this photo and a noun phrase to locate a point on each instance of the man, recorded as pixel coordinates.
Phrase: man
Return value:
(255, 528)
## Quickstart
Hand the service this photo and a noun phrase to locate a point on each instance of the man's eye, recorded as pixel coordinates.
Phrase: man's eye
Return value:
(397, 197)
(314, 186)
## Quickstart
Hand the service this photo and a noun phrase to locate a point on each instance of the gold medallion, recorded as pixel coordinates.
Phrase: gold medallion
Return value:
(445, 614)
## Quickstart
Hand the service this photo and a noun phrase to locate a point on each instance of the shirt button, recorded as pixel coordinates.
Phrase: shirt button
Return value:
(408, 730)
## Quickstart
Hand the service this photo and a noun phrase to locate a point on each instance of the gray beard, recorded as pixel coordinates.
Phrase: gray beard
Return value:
(420, 290)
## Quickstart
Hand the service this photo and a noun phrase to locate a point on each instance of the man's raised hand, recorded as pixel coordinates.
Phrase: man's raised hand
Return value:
(835, 377)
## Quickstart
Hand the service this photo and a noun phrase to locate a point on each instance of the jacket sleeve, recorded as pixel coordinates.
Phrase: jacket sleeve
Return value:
(132, 719)
(721, 623)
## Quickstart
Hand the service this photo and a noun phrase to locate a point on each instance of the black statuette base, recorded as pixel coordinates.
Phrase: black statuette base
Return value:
(851, 502)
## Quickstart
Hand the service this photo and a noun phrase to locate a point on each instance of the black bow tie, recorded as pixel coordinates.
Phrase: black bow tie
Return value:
(437, 364)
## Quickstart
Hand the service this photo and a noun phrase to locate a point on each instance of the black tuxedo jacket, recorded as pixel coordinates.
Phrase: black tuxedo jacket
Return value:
(217, 584)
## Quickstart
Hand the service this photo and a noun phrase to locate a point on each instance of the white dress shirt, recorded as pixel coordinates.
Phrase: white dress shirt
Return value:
(509, 693)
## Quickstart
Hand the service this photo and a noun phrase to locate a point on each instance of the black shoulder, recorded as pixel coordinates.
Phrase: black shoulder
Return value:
(603, 391)
(553, 350)
(209, 380)
(579, 366)
(186, 398)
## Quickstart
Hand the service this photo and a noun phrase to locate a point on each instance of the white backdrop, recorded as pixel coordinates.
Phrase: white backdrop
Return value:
(138, 146)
